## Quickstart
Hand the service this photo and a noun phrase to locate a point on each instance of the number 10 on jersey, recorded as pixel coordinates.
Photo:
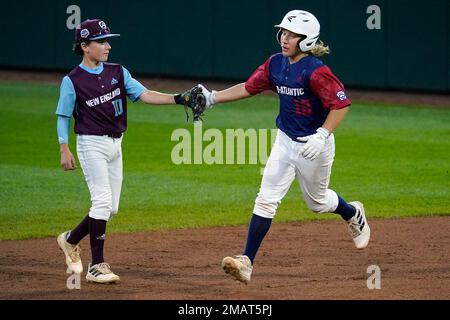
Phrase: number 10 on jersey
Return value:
(117, 107)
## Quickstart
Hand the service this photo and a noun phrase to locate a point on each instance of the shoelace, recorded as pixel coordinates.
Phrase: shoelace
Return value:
(354, 229)
(75, 253)
(243, 260)
(104, 268)
(354, 226)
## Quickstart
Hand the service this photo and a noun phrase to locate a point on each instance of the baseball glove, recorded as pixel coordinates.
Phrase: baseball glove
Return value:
(193, 99)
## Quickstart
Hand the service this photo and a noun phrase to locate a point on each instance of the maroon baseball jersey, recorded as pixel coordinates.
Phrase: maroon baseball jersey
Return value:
(101, 104)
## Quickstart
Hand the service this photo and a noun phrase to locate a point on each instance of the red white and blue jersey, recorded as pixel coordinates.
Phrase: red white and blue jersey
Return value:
(307, 89)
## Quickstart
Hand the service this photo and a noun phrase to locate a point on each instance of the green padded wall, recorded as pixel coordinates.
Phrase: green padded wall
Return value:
(218, 39)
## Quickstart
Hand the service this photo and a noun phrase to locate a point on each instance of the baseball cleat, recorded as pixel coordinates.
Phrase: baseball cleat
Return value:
(238, 267)
(72, 253)
(101, 273)
(358, 226)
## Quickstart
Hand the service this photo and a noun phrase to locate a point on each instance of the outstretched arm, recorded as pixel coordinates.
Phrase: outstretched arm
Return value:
(258, 82)
(233, 93)
(155, 97)
(135, 90)
(192, 99)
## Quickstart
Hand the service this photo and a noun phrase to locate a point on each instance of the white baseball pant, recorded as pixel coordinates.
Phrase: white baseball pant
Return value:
(101, 160)
(284, 164)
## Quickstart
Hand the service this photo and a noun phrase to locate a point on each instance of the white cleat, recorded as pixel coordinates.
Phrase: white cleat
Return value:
(72, 253)
(101, 273)
(358, 227)
(238, 267)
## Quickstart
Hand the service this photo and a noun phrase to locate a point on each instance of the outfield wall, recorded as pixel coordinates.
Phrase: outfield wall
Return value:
(228, 39)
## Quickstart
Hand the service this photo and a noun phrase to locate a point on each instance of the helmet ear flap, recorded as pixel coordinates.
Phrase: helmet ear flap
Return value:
(300, 43)
(307, 44)
(302, 37)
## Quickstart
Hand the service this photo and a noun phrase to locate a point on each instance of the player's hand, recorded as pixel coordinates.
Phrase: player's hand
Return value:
(314, 143)
(209, 95)
(67, 160)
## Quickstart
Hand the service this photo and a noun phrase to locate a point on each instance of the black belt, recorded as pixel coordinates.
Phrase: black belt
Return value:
(115, 135)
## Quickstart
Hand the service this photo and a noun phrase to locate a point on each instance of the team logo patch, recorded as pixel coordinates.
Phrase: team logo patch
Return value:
(114, 81)
(102, 24)
(341, 95)
(84, 33)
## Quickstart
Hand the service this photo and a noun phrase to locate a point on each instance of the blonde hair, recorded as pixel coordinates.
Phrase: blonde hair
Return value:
(319, 49)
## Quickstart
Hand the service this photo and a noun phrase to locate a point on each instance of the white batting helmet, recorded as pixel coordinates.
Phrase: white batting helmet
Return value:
(304, 23)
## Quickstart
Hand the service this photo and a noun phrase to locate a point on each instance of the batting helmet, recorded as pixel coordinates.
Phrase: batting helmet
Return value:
(303, 23)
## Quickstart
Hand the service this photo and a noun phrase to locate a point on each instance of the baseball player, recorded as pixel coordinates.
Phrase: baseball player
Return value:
(95, 93)
(312, 105)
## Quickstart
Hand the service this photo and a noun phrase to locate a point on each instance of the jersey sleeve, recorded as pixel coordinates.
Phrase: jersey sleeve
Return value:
(259, 81)
(63, 129)
(133, 87)
(67, 98)
(328, 88)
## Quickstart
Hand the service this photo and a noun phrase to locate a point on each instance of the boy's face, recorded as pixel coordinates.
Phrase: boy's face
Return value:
(289, 43)
(97, 50)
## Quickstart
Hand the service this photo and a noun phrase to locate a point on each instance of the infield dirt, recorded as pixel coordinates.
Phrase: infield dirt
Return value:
(304, 260)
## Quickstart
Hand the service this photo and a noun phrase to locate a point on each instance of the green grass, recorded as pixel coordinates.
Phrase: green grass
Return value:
(395, 159)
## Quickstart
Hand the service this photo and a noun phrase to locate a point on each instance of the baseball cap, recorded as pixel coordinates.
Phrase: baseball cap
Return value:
(93, 29)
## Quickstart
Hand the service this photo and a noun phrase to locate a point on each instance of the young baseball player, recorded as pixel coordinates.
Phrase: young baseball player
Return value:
(312, 105)
(95, 93)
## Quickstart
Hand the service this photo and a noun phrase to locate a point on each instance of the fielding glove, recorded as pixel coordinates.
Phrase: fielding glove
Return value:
(194, 100)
